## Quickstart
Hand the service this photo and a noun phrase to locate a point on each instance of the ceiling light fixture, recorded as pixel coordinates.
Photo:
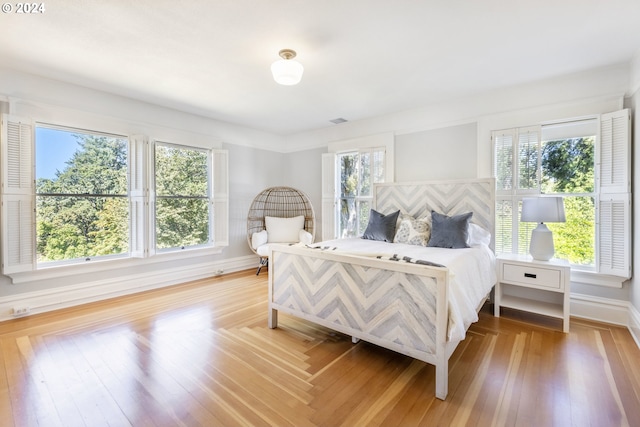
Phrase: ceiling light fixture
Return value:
(287, 71)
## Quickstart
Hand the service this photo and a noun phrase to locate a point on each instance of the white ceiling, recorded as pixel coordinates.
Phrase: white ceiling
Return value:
(362, 58)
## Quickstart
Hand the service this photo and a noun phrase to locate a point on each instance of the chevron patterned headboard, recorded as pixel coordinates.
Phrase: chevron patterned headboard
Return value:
(447, 197)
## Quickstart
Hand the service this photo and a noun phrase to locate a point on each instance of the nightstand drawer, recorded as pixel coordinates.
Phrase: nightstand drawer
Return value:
(529, 275)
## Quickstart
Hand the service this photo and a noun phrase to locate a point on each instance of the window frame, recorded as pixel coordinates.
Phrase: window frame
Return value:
(17, 195)
(614, 195)
(156, 197)
(330, 175)
(81, 260)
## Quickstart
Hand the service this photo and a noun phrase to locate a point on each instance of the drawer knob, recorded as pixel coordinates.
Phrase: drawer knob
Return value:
(530, 275)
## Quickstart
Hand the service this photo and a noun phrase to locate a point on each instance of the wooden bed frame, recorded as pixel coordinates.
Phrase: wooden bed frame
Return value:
(399, 306)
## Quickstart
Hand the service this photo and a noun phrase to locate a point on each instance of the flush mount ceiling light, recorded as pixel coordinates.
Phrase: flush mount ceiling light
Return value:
(287, 71)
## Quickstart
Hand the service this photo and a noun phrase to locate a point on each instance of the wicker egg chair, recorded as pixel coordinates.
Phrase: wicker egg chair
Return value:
(281, 202)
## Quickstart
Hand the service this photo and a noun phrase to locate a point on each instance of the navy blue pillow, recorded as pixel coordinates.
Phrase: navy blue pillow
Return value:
(449, 231)
(381, 227)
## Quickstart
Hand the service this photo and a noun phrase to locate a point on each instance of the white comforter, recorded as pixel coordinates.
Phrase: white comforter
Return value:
(471, 273)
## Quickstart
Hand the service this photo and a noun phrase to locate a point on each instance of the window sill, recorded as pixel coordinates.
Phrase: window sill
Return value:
(597, 279)
(70, 270)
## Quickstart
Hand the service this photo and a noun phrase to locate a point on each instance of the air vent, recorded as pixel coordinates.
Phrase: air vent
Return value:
(338, 121)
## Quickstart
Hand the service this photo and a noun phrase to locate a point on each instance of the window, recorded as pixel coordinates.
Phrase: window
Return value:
(357, 172)
(182, 196)
(81, 195)
(562, 159)
(349, 171)
(71, 196)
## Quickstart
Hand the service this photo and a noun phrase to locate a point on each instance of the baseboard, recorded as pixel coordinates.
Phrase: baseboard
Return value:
(68, 296)
(600, 309)
(634, 324)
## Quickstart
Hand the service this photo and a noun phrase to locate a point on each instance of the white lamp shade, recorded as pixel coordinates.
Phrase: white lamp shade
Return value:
(287, 71)
(542, 209)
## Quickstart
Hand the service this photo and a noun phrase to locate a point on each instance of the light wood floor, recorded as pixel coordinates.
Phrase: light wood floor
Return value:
(201, 354)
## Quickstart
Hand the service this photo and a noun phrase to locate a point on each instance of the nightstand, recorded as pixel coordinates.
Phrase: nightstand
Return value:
(540, 287)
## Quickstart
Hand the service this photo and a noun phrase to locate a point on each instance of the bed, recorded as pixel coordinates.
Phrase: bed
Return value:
(414, 300)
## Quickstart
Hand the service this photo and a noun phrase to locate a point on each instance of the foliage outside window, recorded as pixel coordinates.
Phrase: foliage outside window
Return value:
(81, 195)
(358, 171)
(562, 166)
(182, 196)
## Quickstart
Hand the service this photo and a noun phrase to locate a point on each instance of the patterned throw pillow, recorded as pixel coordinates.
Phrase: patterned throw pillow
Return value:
(413, 231)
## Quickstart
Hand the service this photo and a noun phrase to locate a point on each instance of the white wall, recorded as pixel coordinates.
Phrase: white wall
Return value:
(443, 153)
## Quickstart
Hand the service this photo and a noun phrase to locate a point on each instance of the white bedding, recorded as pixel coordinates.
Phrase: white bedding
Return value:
(471, 273)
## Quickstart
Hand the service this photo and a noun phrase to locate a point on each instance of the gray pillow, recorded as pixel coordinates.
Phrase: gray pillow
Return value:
(449, 231)
(381, 227)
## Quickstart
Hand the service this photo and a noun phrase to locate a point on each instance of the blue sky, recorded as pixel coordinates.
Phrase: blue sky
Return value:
(53, 148)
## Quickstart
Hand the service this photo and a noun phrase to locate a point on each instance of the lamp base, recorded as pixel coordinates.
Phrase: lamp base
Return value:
(541, 246)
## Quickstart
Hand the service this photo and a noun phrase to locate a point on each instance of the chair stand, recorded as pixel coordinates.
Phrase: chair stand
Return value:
(264, 262)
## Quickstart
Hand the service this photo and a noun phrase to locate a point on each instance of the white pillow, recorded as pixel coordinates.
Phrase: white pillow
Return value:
(259, 239)
(284, 230)
(478, 235)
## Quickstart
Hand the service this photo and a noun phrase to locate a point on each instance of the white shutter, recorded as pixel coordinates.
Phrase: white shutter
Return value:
(503, 145)
(613, 157)
(220, 188)
(18, 196)
(138, 206)
(18, 238)
(528, 159)
(614, 235)
(328, 196)
(17, 155)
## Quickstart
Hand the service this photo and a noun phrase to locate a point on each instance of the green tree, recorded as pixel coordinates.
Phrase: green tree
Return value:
(182, 207)
(73, 208)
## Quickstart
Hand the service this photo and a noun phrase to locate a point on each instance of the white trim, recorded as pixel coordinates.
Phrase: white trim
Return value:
(634, 324)
(98, 265)
(593, 278)
(600, 309)
(68, 296)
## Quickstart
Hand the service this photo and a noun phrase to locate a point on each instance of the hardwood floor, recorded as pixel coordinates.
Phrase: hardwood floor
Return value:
(201, 354)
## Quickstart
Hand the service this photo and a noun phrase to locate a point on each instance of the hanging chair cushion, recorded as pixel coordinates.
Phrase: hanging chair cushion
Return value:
(259, 239)
(283, 230)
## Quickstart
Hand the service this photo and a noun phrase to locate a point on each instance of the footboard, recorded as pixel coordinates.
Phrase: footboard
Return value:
(396, 305)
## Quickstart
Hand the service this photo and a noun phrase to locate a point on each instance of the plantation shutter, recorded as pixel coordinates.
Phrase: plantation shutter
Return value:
(614, 197)
(18, 195)
(138, 187)
(528, 159)
(328, 196)
(220, 188)
(503, 161)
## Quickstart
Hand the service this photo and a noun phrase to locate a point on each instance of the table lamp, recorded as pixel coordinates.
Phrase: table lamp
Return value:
(541, 210)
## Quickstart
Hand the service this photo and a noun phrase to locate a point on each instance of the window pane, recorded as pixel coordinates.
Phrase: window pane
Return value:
(504, 224)
(524, 232)
(71, 162)
(181, 171)
(79, 227)
(504, 162)
(365, 174)
(528, 160)
(182, 201)
(364, 207)
(575, 239)
(181, 222)
(347, 218)
(378, 166)
(568, 165)
(348, 174)
(81, 188)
